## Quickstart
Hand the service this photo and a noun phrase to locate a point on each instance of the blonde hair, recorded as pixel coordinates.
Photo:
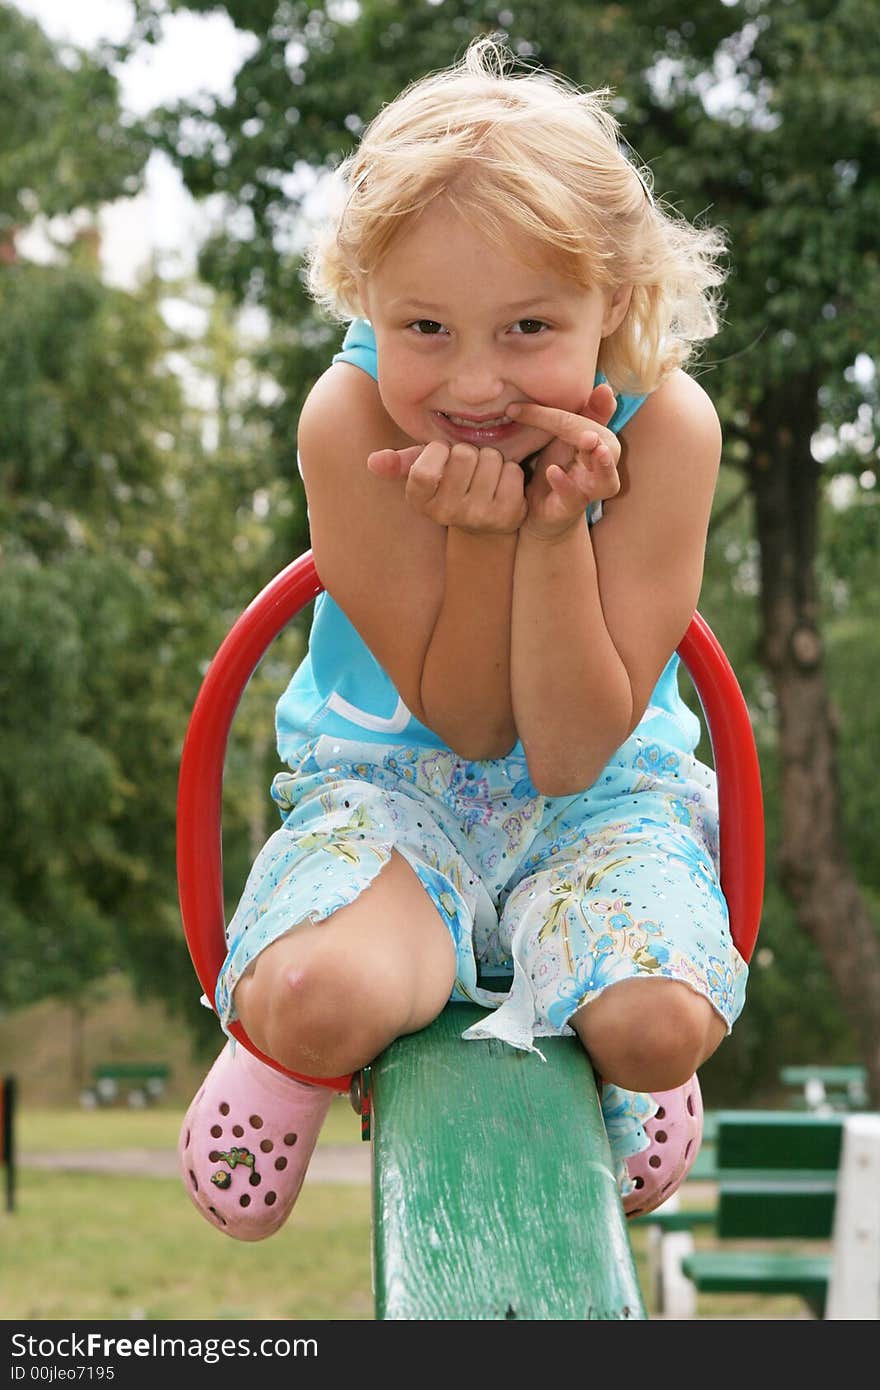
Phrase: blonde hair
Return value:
(528, 156)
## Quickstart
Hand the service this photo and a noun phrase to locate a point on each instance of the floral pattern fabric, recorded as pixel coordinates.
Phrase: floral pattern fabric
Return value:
(566, 895)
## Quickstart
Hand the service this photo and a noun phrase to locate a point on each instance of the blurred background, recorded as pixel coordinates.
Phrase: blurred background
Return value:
(160, 165)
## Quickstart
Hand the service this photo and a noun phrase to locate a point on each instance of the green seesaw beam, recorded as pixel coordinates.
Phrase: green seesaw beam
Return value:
(493, 1191)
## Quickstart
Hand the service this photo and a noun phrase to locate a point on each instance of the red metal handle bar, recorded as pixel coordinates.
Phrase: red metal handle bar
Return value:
(200, 782)
(740, 798)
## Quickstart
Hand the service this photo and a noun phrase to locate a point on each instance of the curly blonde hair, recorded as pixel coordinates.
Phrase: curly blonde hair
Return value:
(531, 160)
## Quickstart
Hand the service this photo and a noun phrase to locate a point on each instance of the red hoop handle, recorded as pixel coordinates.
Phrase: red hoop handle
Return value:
(740, 798)
(200, 782)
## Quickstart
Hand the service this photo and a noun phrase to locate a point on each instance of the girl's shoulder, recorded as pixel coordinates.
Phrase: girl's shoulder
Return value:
(669, 464)
(343, 404)
(678, 403)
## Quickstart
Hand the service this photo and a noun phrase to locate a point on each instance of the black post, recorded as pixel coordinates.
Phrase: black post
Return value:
(7, 1138)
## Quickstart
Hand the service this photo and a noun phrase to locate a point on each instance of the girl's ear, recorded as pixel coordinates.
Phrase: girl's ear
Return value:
(616, 308)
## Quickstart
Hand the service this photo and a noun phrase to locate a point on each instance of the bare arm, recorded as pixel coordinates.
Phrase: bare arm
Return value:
(432, 601)
(465, 686)
(596, 615)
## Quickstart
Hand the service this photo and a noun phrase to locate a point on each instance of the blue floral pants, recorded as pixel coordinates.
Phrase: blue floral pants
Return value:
(567, 895)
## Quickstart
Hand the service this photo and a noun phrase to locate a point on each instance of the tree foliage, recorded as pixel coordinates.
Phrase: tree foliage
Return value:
(136, 522)
(64, 142)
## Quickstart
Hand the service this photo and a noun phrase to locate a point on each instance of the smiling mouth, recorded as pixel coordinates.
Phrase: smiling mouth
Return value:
(470, 422)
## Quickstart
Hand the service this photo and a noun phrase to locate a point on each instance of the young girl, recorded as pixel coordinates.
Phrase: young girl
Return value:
(509, 481)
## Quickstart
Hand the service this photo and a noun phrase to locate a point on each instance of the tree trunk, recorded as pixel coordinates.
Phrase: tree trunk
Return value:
(813, 862)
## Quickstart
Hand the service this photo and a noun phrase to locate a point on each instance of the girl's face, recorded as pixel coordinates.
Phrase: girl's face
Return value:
(463, 330)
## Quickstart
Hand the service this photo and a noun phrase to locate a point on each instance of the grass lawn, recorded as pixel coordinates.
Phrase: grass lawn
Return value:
(116, 1127)
(82, 1246)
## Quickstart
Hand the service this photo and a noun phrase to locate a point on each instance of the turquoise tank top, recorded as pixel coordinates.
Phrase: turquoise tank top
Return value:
(340, 690)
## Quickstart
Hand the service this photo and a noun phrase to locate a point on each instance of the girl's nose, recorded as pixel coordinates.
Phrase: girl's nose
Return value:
(477, 383)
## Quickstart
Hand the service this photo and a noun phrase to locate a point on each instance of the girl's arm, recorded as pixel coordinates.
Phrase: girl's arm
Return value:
(465, 684)
(597, 614)
(432, 601)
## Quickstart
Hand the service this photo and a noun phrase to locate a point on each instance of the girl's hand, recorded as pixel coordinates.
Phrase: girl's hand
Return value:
(577, 467)
(475, 490)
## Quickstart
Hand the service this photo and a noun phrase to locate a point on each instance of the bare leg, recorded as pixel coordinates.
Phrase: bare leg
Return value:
(328, 997)
(648, 1035)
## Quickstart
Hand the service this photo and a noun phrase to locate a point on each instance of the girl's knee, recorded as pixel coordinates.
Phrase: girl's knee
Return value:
(649, 1035)
(323, 1009)
(317, 1013)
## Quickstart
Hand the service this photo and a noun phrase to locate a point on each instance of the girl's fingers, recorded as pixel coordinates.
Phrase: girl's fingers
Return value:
(564, 424)
(393, 463)
(601, 404)
(589, 442)
(566, 485)
(548, 418)
(427, 471)
(603, 465)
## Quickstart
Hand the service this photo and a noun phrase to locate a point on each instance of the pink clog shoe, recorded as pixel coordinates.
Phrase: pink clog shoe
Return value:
(675, 1133)
(246, 1142)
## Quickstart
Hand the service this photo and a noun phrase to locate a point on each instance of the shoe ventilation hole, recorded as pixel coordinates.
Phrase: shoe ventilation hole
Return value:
(194, 1180)
(661, 1114)
(214, 1156)
(224, 1108)
(238, 1131)
(186, 1140)
(688, 1147)
(638, 1183)
(255, 1179)
(270, 1199)
(654, 1161)
(256, 1122)
(244, 1200)
(266, 1145)
(690, 1105)
(660, 1136)
(215, 1212)
(281, 1164)
(216, 1131)
(290, 1139)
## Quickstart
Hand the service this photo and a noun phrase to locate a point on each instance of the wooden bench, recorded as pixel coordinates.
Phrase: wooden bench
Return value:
(799, 1179)
(671, 1229)
(139, 1082)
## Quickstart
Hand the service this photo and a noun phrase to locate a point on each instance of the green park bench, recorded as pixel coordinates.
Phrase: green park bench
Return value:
(139, 1083)
(826, 1089)
(807, 1185)
(671, 1228)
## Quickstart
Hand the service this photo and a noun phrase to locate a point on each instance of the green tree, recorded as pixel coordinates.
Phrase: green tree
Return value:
(136, 521)
(64, 142)
(758, 115)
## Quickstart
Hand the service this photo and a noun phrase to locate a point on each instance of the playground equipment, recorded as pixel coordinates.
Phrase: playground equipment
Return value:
(493, 1188)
